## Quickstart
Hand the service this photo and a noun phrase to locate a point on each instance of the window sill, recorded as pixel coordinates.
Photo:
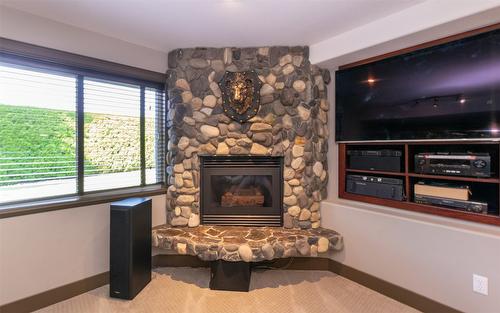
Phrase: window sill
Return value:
(67, 202)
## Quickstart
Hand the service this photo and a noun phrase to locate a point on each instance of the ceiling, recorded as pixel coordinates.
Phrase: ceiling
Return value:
(164, 25)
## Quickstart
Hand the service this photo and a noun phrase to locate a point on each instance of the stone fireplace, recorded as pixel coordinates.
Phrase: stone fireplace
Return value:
(241, 190)
(291, 123)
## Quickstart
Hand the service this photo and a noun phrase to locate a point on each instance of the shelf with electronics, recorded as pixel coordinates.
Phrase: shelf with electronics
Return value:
(453, 179)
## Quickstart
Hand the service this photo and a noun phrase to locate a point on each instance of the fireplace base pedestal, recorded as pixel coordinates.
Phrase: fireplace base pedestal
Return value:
(230, 276)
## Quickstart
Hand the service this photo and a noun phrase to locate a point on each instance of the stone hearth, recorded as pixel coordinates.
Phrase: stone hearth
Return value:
(236, 243)
(291, 122)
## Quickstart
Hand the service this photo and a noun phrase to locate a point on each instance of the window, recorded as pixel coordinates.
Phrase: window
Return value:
(112, 135)
(37, 134)
(64, 133)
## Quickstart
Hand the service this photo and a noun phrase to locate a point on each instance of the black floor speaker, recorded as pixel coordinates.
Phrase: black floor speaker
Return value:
(130, 247)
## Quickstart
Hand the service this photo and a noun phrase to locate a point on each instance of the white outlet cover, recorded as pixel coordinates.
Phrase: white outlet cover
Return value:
(480, 284)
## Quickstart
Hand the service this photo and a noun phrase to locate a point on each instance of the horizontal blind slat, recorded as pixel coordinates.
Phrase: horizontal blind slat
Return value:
(37, 134)
(112, 142)
(38, 148)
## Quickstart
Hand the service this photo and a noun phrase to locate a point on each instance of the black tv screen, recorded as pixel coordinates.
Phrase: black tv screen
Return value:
(449, 91)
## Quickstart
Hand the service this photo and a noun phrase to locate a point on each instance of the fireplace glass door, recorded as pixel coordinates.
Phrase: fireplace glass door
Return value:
(241, 191)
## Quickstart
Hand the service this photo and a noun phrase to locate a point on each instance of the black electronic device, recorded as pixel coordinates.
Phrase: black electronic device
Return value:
(447, 91)
(130, 247)
(467, 164)
(375, 160)
(462, 205)
(380, 187)
(230, 276)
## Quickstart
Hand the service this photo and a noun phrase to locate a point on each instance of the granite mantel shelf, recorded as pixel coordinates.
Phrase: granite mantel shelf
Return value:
(249, 244)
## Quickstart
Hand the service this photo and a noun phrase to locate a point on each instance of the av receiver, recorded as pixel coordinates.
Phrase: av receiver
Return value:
(380, 187)
(375, 160)
(470, 164)
(462, 205)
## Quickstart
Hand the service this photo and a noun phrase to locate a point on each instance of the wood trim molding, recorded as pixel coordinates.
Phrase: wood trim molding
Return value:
(422, 46)
(56, 295)
(388, 289)
(58, 57)
(62, 203)
(176, 260)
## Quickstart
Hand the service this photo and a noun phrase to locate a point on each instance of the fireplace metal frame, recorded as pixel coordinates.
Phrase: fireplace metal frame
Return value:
(269, 165)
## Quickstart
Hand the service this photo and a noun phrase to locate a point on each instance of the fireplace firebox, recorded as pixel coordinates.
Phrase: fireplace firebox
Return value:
(241, 190)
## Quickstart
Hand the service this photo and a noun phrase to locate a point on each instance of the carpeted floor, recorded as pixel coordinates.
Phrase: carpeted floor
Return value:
(185, 290)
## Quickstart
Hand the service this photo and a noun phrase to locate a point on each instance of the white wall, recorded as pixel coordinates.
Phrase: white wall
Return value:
(42, 251)
(433, 256)
(423, 22)
(430, 255)
(40, 31)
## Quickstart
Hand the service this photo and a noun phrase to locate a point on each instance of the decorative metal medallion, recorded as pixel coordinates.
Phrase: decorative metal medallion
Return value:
(240, 94)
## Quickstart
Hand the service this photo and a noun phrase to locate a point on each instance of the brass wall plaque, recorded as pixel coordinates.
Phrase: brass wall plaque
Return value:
(240, 94)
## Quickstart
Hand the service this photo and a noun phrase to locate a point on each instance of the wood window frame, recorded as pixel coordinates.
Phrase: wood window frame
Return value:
(21, 53)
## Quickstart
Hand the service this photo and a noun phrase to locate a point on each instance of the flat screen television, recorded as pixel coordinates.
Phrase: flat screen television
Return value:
(449, 91)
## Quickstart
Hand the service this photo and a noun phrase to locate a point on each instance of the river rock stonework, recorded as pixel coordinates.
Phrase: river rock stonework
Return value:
(291, 122)
(237, 243)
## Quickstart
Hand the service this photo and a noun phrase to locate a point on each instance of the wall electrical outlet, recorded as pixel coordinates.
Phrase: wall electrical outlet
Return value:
(480, 284)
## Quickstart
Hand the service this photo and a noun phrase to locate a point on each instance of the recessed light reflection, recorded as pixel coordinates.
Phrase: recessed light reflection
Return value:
(370, 81)
(494, 129)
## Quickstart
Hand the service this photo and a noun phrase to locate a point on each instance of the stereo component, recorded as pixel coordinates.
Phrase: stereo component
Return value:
(380, 187)
(468, 206)
(375, 160)
(130, 247)
(442, 191)
(470, 164)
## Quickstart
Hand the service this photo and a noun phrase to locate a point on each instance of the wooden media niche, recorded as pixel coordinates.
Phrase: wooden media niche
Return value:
(483, 189)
